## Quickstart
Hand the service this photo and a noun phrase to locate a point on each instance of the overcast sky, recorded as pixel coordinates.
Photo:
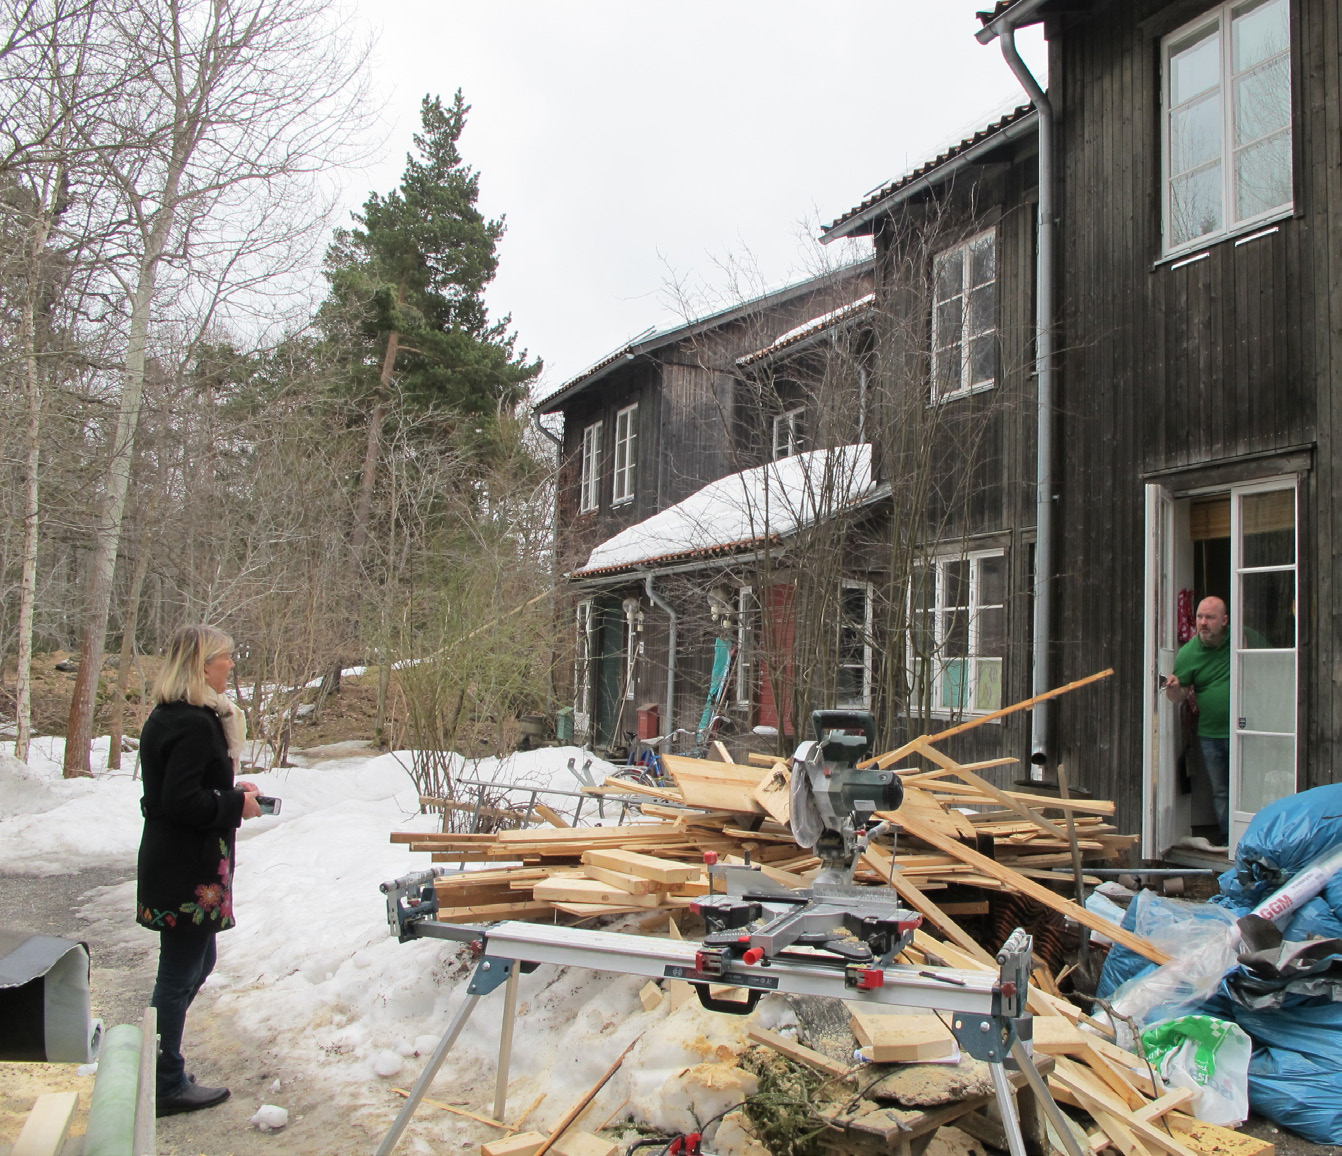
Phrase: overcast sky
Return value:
(639, 149)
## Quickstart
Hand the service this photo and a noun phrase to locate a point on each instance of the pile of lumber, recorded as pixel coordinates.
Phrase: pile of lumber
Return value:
(959, 836)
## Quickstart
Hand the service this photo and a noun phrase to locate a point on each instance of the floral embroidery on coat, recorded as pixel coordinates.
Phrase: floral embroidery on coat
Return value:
(214, 901)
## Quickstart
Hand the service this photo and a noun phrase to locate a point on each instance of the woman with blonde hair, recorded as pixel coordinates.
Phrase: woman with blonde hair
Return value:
(190, 750)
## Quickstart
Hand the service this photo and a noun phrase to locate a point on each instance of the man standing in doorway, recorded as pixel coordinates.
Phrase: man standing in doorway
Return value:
(1202, 667)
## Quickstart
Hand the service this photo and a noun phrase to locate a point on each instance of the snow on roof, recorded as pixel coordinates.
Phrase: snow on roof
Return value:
(809, 328)
(771, 500)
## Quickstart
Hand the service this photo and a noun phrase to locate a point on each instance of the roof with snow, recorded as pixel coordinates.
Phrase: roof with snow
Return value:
(660, 338)
(858, 221)
(741, 510)
(840, 318)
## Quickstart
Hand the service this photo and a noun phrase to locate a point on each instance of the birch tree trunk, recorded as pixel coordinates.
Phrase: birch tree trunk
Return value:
(23, 709)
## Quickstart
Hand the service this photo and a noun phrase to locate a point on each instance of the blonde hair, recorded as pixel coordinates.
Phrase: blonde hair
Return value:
(182, 677)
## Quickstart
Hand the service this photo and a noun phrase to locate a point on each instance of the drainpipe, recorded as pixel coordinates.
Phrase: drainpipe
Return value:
(1005, 30)
(657, 601)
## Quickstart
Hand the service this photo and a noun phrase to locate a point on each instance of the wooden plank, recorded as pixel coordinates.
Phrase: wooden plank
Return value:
(494, 911)
(633, 884)
(879, 859)
(890, 758)
(550, 815)
(774, 793)
(47, 1125)
(591, 891)
(920, 804)
(901, 1039)
(645, 866)
(1214, 1140)
(816, 1061)
(572, 1114)
(1087, 1088)
(1025, 886)
(718, 752)
(930, 752)
(583, 1144)
(523, 1144)
(591, 910)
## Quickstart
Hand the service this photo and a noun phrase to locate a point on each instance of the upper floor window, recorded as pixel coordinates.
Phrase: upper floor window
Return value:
(957, 633)
(964, 317)
(788, 429)
(1227, 99)
(589, 486)
(626, 445)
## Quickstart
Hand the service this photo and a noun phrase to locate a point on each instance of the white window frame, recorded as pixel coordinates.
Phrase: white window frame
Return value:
(626, 454)
(863, 699)
(747, 624)
(938, 660)
(1220, 22)
(962, 252)
(787, 433)
(589, 485)
(584, 623)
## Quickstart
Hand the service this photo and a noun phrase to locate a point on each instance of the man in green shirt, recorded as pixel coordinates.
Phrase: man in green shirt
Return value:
(1202, 667)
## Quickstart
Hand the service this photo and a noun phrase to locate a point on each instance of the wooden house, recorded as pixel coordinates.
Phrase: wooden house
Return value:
(1198, 193)
(645, 430)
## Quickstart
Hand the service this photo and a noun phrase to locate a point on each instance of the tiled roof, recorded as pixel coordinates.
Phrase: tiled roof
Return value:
(999, 127)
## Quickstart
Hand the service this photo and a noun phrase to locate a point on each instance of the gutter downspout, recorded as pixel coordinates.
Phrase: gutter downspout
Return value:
(1044, 314)
(656, 600)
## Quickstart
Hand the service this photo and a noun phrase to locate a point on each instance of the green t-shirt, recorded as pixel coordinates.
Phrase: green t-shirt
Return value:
(1207, 671)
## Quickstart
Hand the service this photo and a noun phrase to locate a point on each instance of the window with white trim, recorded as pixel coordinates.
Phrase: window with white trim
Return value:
(589, 486)
(957, 633)
(626, 444)
(852, 684)
(747, 631)
(582, 670)
(1227, 122)
(788, 428)
(964, 318)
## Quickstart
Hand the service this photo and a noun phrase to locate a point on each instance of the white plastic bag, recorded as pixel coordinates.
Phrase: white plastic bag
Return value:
(1201, 937)
(1209, 1056)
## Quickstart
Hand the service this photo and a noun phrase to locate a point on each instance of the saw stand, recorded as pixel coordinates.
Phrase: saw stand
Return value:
(989, 1017)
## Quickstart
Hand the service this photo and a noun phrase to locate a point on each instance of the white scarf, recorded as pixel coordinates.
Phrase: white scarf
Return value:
(234, 723)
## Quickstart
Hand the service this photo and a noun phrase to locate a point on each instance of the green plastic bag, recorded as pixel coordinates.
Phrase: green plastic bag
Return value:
(1210, 1056)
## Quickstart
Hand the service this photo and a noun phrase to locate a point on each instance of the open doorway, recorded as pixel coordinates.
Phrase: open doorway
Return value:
(1240, 545)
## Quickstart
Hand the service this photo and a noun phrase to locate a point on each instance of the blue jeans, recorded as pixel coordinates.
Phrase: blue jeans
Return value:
(185, 959)
(1216, 758)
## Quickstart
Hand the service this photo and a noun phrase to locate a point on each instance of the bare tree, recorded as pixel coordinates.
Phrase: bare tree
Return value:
(234, 107)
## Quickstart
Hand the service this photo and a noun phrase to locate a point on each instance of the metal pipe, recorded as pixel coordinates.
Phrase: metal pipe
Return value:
(656, 599)
(1042, 678)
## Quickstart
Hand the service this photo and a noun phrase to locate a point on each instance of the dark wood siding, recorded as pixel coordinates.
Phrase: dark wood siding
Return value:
(1167, 367)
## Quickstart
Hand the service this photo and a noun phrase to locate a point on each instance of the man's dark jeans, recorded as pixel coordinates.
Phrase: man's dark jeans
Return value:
(1216, 758)
(185, 959)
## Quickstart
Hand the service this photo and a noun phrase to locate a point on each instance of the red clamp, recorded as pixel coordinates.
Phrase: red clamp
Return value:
(687, 1145)
(864, 978)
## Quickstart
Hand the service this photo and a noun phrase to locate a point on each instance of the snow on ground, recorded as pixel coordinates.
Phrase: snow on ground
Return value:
(313, 977)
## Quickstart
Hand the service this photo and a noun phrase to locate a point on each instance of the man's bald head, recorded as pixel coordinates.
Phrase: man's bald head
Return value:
(1213, 621)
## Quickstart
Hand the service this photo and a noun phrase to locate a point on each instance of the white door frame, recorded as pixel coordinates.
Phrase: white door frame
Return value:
(1161, 801)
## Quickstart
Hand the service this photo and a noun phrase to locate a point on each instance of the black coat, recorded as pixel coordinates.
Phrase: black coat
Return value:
(191, 815)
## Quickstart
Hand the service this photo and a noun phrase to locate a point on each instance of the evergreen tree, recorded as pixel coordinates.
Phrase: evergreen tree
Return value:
(407, 297)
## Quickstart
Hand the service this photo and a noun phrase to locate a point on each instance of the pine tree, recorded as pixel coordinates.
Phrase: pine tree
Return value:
(407, 297)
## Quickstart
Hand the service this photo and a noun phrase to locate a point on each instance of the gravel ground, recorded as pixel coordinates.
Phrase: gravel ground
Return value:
(124, 959)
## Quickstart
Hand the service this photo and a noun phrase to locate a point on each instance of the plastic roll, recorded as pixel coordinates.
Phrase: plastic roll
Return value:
(111, 1127)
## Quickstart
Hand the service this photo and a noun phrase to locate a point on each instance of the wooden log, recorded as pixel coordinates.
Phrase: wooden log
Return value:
(1025, 886)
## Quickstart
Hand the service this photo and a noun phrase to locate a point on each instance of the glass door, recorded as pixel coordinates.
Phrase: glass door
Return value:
(1264, 641)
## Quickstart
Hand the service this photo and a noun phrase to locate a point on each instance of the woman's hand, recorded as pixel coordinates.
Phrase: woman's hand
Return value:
(250, 788)
(251, 809)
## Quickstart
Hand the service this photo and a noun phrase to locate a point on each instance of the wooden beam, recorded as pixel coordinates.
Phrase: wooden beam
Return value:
(1018, 882)
(817, 1061)
(890, 758)
(878, 859)
(989, 789)
(48, 1124)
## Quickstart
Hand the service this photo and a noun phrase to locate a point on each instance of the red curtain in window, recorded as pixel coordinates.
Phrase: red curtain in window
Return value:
(779, 631)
